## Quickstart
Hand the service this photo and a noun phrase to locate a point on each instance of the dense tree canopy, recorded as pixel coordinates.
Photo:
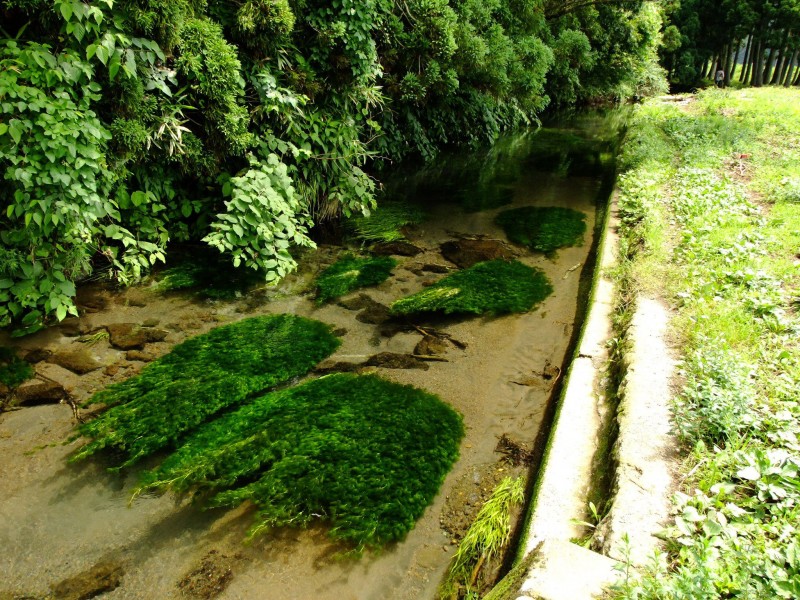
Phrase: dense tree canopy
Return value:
(130, 124)
(703, 37)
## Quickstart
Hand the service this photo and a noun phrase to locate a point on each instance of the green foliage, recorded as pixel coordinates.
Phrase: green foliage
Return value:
(730, 275)
(199, 378)
(127, 125)
(494, 287)
(264, 217)
(13, 370)
(350, 273)
(544, 229)
(486, 538)
(212, 69)
(361, 453)
(385, 223)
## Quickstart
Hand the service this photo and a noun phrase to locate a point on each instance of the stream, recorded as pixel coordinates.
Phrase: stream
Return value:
(62, 523)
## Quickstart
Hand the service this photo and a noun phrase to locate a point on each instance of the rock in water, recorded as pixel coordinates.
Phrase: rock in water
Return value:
(468, 252)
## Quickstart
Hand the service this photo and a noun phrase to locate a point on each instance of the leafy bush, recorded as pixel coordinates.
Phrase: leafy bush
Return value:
(350, 272)
(386, 222)
(543, 228)
(200, 377)
(495, 286)
(13, 370)
(360, 452)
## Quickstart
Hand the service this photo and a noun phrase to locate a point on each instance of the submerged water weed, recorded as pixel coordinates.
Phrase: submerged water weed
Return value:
(386, 222)
(350, 273)
(495, 287)
(13, 370)
(362, 453)
(543, 228)
(485, 539)
(200, 377)
(208, 274)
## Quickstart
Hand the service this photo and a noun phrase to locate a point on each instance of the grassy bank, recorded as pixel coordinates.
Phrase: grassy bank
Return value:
(710, 201)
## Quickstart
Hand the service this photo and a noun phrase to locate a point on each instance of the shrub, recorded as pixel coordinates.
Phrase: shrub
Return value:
(544, 229)
(495, 286)
(351, 272)
(363, 453)
(200, 377)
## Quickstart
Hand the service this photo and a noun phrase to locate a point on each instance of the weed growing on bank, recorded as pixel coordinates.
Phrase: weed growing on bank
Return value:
(494, 287)
(362, 453)
(199, 378)
(543, 228)
(386, 222)
(719, 175)
(350, 273)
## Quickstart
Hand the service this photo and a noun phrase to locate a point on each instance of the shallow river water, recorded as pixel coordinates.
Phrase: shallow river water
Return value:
(58, 520)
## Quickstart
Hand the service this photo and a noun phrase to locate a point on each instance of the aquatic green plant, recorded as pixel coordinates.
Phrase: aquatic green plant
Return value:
(485, 539)
(13, 370)
(200, 377)
(495, 286)
(543, 228)
(385, 223)
(365, 454)
(208, 274)
(351, 272)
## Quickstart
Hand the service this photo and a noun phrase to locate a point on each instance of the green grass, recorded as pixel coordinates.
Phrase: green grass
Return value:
(350, 273)
(361, 453)
(199, 378)
(494, 287)
(711, 223)
(543, 228)
(13, 370)
(386, 222)
(486, 538)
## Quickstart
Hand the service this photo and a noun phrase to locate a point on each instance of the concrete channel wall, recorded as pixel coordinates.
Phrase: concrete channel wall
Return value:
(561, 569)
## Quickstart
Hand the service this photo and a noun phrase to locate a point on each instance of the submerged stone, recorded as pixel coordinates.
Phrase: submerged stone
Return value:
(468, 252)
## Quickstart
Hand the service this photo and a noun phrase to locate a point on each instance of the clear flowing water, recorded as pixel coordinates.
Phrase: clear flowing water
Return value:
(58, 520)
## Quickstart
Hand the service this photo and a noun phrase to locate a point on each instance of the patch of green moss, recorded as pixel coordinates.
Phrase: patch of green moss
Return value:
(386, 222)
(199, 378)
(495, 286)
(13, 370)
(543, 228)
(351, 272)
(362, 453)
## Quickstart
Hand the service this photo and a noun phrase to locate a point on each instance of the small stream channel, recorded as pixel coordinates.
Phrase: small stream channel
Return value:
(58, 520)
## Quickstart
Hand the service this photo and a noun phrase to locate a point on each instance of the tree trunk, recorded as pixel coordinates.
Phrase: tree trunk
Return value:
(730, 63)
(787, 78)
(784, 51)
(757, 63)
(768, 67)
(745, 62)
(788, 57)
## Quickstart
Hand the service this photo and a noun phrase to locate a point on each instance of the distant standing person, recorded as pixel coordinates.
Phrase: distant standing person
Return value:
(719, 78)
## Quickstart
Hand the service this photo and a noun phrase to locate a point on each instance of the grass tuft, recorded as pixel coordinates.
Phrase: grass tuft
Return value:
(350, 273)
(386, 222)
(362, 453)
(543, 228)
(485, 539)
(495, 287)
(200, 377)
